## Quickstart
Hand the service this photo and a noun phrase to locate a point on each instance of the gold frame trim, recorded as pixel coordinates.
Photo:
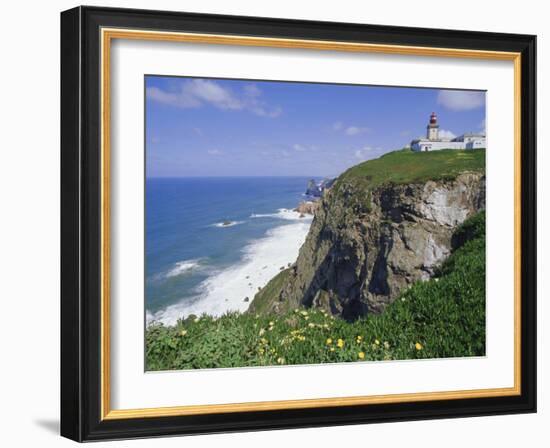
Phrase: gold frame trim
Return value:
(107, 35)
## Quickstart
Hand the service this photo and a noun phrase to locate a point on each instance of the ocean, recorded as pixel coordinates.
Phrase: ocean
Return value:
(212, 242)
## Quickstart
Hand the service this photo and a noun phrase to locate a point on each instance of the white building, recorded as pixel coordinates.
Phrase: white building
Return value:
(432, 142)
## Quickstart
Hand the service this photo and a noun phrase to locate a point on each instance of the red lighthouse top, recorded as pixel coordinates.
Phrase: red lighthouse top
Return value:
(433, 118)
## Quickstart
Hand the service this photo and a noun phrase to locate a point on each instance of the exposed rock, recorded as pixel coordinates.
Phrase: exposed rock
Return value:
(364, 247)
(315, 189)
(307, 208)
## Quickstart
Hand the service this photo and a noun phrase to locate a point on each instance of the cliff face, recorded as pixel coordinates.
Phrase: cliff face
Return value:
(366, 245)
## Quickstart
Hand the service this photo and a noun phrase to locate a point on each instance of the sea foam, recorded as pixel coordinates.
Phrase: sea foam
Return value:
(226, 290)
(182, 267)
(283, 213)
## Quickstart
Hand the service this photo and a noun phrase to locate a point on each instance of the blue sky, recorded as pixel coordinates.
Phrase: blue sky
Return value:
(214, 127)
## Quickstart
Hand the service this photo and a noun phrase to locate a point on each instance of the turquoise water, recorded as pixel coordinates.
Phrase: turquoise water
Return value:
(186, 243)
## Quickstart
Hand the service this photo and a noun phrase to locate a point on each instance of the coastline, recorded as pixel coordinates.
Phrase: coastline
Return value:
(262, 259)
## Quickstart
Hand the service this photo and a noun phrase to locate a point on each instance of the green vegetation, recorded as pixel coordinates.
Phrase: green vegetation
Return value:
(406, 166)
(443, 317)
(354, 188)
(263, 299)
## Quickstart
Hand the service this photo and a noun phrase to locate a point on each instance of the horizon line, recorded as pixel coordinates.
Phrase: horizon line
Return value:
(234, 176)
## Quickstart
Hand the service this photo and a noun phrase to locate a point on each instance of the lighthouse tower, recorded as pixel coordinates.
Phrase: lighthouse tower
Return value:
(432, 128)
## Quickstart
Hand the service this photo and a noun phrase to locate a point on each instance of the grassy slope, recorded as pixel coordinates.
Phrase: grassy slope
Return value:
(262, 299)
(444, 317)
(406, 166)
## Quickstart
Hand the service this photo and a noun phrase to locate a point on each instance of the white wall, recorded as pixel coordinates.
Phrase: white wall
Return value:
(29, 236)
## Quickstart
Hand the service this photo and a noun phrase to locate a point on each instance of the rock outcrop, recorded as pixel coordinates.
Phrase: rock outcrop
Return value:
(317, 189)
(307, 207)
(365, 246)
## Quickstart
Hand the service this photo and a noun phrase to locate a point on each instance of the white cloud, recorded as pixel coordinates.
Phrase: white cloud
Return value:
(355, 130)
(214, 152)
(368, 152)
(460, 99)
(445, 134)
(178, 99)
(362, 153)
(263, 112)
(197, 92)
(349, 129)
(285, 153)
(211, 92)
(252, 90)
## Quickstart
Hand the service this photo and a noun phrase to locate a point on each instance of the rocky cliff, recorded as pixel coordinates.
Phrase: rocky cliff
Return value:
(307, 207)
(370, 240)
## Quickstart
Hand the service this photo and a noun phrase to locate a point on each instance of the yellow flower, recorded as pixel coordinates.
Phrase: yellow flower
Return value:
(306, 317)
(329, 341)
(311, 325)
(271, 323)
(262, 331)
(359, 338)
(361, 355)
(377, 342)
(183, 332)
(418, 346)
(303, 313)
(340, 343)
(281, 360)
(386, 345)
(331, 349)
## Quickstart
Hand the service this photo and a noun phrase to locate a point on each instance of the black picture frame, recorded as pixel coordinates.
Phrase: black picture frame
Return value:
(81, 224)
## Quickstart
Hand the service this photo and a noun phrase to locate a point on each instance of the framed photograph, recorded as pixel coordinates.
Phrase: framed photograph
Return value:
(276, 224)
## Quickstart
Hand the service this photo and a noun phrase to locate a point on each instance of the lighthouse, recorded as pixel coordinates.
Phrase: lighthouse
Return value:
(432, 142)
(432, 130)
